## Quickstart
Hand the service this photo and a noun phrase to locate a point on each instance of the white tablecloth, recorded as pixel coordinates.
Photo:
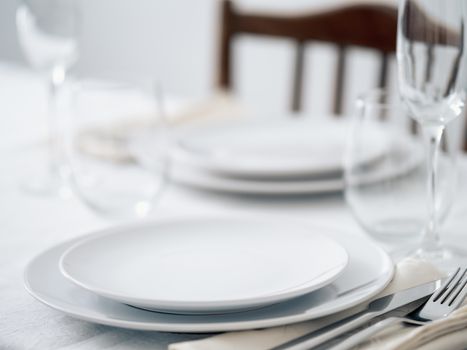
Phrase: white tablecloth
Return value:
(30, 224)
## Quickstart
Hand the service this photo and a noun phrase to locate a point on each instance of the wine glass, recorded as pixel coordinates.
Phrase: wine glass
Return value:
(47, 32)
(385, 173)
(432, 81)
(117, 147)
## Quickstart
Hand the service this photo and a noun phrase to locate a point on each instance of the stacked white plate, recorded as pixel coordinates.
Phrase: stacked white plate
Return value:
(208, 275)
(277, 157)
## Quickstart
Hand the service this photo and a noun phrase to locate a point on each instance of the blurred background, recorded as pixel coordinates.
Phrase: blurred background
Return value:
(177, 43)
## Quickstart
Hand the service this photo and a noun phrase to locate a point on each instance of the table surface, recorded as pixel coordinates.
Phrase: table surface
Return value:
(30, 224)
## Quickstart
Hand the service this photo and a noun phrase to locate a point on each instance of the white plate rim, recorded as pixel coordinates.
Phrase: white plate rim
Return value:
(182, 154)
(182, 151)
(371, 289)
(323, 279)
(189, 176)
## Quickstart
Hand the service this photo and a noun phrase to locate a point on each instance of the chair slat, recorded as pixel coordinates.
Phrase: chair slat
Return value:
(383, 71)
(464, 135)
(297, 88)
(339, 80)
(225, 45)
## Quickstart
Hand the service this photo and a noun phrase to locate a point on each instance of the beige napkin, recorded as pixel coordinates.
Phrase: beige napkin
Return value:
(409, 273)
(109, 142)
(221, 105)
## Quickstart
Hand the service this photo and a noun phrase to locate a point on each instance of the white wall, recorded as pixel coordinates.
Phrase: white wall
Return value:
(176, 41)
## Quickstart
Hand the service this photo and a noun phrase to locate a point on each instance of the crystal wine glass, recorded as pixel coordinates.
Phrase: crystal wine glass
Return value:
(432, 81)
(385, 173)
(117, 143)
(47, 32)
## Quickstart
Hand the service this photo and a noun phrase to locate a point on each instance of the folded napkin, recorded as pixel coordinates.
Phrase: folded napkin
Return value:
(221, 105)
(110, 142)
(409, 273)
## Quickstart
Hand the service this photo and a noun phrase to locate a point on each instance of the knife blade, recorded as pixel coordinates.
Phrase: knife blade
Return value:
(374, 309)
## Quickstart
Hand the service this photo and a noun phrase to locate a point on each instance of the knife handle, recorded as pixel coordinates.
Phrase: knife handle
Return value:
(306, 343)
(365, 334)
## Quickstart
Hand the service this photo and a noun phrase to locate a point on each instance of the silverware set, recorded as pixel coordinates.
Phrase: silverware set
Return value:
(416, 306)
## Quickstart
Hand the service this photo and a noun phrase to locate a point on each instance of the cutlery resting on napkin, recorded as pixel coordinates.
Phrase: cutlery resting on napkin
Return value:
(409, 273)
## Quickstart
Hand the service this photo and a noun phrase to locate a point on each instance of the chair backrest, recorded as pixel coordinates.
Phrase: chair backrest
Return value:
(368, 26)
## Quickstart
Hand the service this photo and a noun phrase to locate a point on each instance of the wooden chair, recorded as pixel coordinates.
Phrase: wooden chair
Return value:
(367, 26)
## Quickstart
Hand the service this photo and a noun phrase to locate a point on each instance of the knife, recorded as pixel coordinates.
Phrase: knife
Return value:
(374, 309)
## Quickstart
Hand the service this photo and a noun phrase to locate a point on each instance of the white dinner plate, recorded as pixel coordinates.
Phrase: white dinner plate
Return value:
(368, 272)
(287, 148)
(188, 175)
(381, 169)
(210, 265)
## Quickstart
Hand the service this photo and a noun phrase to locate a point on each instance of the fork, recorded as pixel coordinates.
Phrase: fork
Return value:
(444, 301)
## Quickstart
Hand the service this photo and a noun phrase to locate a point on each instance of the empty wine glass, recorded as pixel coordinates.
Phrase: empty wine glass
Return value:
(432, 81)
(117, 142)
(385, 173)
(47, 32)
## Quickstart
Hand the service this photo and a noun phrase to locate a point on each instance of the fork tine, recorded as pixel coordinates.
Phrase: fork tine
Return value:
(460, 293)
(453, 286)
(436, 295)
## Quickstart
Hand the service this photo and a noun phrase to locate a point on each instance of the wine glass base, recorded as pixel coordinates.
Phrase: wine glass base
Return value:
(445, 259)
(41, 176)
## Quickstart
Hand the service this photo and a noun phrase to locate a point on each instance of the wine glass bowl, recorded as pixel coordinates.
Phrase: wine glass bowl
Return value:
(47, 32)
(430, 53)
(116, 147)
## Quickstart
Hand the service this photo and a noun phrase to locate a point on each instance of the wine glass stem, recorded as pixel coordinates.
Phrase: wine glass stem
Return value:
(57, 77)
(432, 135)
